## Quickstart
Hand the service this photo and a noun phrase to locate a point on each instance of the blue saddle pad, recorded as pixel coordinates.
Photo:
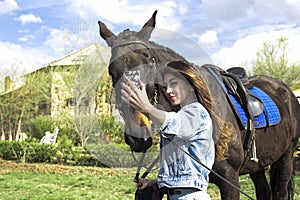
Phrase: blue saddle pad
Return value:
(270, 116)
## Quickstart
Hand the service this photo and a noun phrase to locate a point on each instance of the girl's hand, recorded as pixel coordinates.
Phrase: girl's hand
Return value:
(135, 97)
(138, 99)
(144, 183)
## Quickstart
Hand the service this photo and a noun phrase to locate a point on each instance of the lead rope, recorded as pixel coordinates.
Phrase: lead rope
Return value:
(137, 175)
(215, 173)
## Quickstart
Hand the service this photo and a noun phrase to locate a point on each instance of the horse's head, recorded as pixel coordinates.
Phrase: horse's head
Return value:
(132, 50)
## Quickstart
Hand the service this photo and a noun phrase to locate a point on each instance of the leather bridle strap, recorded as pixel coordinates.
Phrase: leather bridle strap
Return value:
(131, 42)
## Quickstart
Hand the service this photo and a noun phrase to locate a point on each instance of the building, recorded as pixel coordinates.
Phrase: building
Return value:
(297, 94)
(77, 83)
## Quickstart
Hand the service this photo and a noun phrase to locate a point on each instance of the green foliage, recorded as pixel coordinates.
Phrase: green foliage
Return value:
(113, 155)
(99, 154)
(42, 123)
(113, 129)
(6, 152)
(21, 104)
(272, 61)
(33, 152)
(40, 153)
(67, 128)
(79, 128)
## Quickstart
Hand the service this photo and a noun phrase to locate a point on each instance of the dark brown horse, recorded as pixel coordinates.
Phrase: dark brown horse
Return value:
(275, 144)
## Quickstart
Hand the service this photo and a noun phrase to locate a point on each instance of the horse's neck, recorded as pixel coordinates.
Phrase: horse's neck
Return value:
(165, 54)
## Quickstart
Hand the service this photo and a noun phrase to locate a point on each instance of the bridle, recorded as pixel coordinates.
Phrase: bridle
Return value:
(153, 65)
(151, 62)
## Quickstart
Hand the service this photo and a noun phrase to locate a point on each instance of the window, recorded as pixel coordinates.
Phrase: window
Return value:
(70, 102)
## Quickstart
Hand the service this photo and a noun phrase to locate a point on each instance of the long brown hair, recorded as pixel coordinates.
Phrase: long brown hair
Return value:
(222, 128)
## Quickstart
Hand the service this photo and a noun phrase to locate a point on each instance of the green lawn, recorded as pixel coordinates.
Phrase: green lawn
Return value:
(42, 181)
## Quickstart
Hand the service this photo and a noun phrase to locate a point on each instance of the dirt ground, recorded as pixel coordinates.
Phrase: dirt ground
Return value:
(8, 166)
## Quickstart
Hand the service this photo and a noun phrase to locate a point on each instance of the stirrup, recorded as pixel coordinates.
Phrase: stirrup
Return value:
(254, 157)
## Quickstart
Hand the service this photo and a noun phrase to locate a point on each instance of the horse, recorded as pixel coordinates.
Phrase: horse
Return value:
(274, 144)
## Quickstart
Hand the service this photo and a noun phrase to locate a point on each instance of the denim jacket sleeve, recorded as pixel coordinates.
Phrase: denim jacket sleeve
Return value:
(191, 119)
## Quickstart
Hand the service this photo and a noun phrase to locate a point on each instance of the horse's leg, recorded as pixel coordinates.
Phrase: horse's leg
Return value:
(280, 175)
(228, 192)
(262, 188)
(291, 187)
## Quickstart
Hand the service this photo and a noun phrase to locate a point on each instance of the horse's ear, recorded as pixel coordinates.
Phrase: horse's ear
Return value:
(147, 29)
(106, 34)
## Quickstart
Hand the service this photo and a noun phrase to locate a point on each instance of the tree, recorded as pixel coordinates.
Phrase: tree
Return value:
(23, 102)
(272, 61)
(91, 85)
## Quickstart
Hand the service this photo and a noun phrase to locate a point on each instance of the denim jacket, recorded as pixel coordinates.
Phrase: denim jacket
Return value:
(191, 129)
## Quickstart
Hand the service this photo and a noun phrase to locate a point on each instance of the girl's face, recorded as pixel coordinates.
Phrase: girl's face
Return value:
(177, 90)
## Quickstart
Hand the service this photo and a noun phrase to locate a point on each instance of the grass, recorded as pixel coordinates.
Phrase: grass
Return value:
(43, 181)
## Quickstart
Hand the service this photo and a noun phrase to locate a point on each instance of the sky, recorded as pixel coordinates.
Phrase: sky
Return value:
(34, 32)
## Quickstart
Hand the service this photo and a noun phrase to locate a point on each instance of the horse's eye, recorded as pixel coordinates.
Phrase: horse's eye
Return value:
(146, 54)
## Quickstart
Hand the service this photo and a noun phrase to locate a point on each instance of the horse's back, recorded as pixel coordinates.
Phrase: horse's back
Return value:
(285, 100)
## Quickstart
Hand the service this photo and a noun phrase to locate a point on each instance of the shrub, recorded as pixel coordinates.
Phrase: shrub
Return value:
(112, 155)
(6, 152)
(42, 123)
(112, 128)
(39, 153)
(103, 155)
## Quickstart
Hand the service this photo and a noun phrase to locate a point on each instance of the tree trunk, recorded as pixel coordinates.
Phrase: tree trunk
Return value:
(19, 125)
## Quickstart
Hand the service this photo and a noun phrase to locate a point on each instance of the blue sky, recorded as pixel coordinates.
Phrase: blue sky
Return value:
(34, 32)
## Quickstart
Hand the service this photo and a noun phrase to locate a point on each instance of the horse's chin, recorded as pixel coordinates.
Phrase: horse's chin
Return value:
(138, 141)
(138, 133)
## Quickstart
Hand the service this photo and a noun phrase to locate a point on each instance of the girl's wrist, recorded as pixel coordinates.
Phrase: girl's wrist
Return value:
(147, 110)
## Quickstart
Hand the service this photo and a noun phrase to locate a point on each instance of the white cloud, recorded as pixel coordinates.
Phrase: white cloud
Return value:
(208, 39)
(244, 50)
(220, 13)
(26, 38)
(21, 58)
(226, 11)
(64, 41)
(125, 12)
(277, 10)
(29, 18)
(7, 6)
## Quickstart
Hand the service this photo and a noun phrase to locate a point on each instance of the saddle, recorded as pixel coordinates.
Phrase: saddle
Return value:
(238, 84)
(252, 107)
(235, 82)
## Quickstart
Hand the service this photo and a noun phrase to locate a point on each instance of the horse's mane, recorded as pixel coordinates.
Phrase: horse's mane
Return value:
(168, 52)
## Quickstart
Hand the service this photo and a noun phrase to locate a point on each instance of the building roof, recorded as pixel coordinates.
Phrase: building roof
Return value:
(297, 92)
(74, 58)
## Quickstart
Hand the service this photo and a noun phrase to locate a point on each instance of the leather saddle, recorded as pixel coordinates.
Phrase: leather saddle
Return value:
(238, 84)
